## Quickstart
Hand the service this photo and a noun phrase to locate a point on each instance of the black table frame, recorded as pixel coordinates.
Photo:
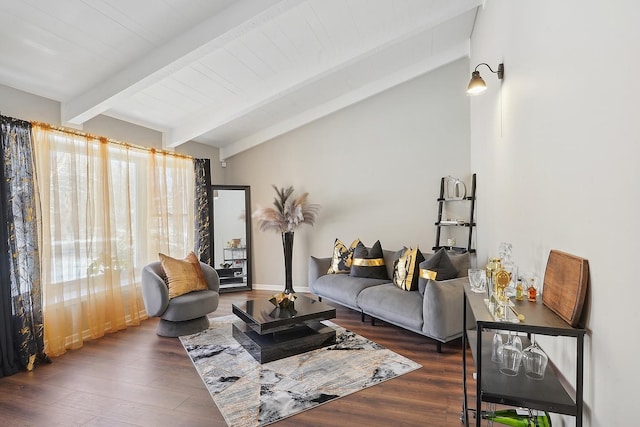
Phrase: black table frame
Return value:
(549, 394)
(269, 333)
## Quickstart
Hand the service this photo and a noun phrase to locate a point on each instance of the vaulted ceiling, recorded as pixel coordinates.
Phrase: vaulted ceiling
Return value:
(227, 73)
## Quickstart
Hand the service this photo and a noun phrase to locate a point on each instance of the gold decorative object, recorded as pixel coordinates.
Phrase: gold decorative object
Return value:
(502, 280)
(283, 300)
(492, 266)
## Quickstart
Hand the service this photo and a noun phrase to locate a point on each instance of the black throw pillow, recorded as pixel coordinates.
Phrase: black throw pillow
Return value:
(438, 267)
(368, 263)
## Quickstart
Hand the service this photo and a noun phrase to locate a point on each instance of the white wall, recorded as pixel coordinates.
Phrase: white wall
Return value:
(375, 168)
(557, 146)
(25, 106)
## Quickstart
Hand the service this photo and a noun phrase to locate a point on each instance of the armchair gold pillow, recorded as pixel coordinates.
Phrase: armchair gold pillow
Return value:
(181, 292)
(183, 276)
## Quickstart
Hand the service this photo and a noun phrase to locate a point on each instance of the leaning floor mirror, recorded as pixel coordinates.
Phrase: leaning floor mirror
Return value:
(232, 236)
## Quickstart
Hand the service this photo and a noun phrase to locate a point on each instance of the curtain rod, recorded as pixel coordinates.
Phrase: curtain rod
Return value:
(109, 140)
(7, 119)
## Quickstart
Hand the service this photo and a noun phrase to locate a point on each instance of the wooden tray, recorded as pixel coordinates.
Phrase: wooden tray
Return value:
(565, 285)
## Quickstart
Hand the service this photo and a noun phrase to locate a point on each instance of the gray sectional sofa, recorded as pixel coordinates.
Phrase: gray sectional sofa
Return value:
(437, 314)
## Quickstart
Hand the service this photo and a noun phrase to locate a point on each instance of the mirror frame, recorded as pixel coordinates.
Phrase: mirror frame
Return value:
(248, 240)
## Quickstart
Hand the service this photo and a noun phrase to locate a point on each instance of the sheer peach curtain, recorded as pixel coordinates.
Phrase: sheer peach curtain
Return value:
(107, 210)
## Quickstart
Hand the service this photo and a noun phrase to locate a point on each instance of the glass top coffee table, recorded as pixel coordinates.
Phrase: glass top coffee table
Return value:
(270, 333)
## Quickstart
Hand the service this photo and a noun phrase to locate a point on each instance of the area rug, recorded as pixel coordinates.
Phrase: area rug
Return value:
(249, 394)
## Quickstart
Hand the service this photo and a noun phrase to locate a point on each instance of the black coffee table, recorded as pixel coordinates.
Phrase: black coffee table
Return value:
(269, 333)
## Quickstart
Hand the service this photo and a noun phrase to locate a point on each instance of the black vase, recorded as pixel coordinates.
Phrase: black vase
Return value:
(287, 245)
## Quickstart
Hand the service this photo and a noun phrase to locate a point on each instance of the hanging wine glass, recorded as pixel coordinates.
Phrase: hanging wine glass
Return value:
(496, 351)
(511, 356)
(512, 340)
(516, 341)
(534, 360)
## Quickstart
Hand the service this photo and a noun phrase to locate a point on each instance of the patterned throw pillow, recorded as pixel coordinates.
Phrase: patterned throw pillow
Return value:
(368, 263)
(342, 257)
(438, 267)
(183, 276)
(405, 269)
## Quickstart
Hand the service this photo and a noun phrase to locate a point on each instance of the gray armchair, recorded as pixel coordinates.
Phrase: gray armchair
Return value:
(182, 315)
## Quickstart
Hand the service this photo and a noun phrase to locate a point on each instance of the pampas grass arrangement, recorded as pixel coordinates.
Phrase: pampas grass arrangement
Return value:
(289, 213)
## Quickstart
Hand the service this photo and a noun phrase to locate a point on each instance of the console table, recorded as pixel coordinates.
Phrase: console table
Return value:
(549, 394)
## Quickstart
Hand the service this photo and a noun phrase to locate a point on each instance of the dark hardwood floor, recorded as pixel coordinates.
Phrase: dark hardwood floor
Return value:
(136, 378)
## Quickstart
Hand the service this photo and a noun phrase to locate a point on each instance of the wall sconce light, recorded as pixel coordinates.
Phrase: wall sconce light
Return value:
(477, 85)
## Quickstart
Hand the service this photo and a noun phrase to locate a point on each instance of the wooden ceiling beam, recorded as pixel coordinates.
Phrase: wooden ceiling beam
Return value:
(239, 18)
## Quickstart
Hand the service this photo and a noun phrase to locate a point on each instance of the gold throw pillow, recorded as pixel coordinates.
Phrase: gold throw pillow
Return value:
(405, 269)
(183, 276)
(342, 257)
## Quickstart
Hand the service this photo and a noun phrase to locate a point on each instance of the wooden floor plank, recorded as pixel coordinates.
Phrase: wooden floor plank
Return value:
(136, 378)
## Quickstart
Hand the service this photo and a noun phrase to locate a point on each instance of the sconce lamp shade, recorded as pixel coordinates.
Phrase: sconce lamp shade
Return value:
(477, 85)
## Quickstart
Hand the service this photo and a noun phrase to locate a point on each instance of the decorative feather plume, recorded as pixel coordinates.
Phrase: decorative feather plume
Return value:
(288, 214)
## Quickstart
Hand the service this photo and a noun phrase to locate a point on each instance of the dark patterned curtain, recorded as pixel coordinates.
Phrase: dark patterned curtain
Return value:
(21, 330)
(203, 210)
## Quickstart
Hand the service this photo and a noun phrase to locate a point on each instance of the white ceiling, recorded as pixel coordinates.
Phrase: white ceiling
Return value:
(228, 73)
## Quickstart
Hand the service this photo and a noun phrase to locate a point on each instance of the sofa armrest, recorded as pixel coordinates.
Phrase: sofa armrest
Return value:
(442, 308)
(318, 267)
(154, 291)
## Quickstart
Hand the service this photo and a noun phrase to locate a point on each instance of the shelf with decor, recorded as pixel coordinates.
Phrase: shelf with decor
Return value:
(235, 265)
(230, 275)
(238, 254)
(453, 191)
(549, 394)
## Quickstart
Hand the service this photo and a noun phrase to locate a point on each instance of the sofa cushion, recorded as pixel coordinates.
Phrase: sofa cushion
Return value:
(342, 257)
(392, 304)
(183, 276)
(369, 263)
(405, 269)
(437, 267)
(343, 288)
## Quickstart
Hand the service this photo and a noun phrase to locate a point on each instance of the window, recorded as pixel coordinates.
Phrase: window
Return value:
(107, 210)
